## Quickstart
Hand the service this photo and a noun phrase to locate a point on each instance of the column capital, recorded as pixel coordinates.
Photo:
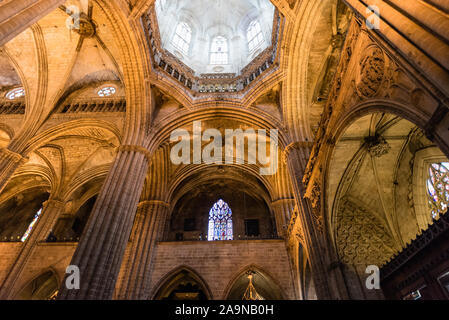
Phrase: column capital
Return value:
(282, 200)
(153, 203)
(136, 148)
(54, 202)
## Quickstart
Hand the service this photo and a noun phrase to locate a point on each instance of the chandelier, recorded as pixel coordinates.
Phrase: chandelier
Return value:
(251, 292)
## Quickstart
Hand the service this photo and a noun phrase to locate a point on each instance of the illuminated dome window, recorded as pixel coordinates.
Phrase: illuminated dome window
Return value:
(254, 36)
(106, 91)
(182, 37)
(204, 34)
(15, 93)
(219, 51)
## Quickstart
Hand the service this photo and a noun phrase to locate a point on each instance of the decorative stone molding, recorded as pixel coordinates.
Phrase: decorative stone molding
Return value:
(347, 54)
(371, 72)
(139, 149)
(361, 237)
(153, 203)
(315, 201)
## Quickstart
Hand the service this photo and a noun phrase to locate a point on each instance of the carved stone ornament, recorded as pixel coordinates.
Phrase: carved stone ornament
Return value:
(315, 200)
(371, 73)
(377, 145)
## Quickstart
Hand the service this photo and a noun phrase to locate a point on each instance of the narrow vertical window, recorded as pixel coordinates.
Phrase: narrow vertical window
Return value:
(219, 51)
(254, 36)
(182, 37)
(220, 222)
(31, 226)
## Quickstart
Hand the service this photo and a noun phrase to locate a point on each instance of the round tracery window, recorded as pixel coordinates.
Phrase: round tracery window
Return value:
(15, 93)
(106, 91)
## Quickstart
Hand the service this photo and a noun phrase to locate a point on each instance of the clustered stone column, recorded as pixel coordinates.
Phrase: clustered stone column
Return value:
(50, 213)
(315, 240)
(148, 229)
(101, 248)
(282, 210)
(18, 15)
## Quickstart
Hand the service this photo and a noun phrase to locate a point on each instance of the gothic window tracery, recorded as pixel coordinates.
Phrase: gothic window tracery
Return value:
(219, 51)
(220, 222)
(438, 188)
(254, 36)
(182, 38)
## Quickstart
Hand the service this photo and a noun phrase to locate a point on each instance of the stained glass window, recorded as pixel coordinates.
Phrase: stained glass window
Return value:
(30, 227)
(182, 37)
(106, 91)
(438, 188)
(15, 93)
(219, 51)
(254, 36)
(220, 222)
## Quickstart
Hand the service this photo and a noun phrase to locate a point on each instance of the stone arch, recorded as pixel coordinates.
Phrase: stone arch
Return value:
(263, 282)
(255, 118)
(44, 286)
(244, 191)
(19, 203)
(371, 180)
(67, 127)
(6, 134)
(173, 278)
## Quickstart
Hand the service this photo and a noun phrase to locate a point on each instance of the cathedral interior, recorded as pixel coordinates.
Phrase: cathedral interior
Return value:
(354, 101)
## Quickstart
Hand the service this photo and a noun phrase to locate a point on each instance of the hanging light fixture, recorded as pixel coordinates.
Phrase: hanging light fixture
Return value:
(251, 292)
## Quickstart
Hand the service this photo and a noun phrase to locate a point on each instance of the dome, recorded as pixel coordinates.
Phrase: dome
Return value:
(215, 36)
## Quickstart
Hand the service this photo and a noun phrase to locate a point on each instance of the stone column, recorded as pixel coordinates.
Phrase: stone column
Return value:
(282, 212)
(101, 248)
(9, 162)
(50, 212)
(314, 236)
(148, 229)
(18, 15)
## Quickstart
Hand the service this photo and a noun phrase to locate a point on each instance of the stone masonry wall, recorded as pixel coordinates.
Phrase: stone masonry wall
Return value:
(218, 263)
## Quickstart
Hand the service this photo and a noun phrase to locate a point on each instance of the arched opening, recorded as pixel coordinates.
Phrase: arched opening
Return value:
(250, 217)
(71, 227)
(253, 284)
(44, 287)
(378, 192)
(183, 285)
(20, 213)
(305, 275)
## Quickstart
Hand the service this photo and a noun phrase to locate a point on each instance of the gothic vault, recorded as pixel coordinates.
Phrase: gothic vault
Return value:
(93, 92)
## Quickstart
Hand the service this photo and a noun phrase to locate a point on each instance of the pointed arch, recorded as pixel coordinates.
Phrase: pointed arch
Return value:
(42, 287)
(168, 283)
(267, 286)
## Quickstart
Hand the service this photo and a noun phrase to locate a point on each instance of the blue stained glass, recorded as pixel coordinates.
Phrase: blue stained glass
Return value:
(30, 227)
(220, 222)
